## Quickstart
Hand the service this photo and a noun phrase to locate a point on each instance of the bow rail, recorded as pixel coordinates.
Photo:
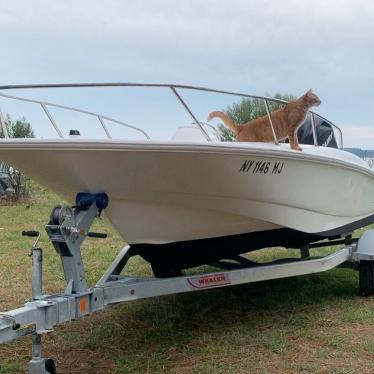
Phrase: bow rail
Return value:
(174, 89)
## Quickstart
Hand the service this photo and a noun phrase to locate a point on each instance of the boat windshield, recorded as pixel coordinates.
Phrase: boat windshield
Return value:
(58, 119)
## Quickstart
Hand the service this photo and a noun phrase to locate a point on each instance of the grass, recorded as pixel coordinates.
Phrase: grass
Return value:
(308, 324)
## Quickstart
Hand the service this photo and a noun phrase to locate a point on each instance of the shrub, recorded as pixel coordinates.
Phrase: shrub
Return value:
(17, 184)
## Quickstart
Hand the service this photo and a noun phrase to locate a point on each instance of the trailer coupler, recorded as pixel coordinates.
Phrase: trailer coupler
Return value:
(67, 229)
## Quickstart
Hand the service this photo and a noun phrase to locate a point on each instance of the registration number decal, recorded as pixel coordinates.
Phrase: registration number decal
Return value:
(261, 167)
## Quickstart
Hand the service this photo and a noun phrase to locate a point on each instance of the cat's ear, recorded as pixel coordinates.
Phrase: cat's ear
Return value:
(309, 93)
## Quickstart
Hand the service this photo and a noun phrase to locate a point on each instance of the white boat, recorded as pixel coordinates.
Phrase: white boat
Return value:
(193, 200)
(184, 202)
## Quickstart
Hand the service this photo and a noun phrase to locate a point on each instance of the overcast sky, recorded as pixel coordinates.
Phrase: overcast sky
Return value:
(253, 46)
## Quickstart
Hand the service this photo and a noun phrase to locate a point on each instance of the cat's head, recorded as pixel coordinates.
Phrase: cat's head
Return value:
(312, 99)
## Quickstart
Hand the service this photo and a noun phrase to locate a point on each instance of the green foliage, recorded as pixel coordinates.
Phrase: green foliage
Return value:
(225, 134)
(19, 128)
(247, 110)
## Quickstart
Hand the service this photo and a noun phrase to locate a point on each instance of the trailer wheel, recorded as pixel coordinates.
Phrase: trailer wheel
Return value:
(366, 269)
(50, 366)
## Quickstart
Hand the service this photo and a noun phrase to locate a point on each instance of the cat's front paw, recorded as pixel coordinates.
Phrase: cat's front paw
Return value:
(297, 148)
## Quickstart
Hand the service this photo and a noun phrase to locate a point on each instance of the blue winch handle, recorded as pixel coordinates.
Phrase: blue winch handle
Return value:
(84, 200)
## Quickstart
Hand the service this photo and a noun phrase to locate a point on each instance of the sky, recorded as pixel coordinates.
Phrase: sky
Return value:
(252, 46)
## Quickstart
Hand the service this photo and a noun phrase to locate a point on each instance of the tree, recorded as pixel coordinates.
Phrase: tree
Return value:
(246, 110)
(19, 128)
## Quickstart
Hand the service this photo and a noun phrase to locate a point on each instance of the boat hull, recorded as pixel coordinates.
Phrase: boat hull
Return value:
(173, 192)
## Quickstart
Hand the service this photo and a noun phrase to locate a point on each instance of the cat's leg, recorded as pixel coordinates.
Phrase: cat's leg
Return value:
(296, 142)
(291, 140)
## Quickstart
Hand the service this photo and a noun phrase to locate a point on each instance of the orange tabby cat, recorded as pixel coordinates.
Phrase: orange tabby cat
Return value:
(286, 122)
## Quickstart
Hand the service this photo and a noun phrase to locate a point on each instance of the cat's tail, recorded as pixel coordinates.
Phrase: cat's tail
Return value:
(226, 120)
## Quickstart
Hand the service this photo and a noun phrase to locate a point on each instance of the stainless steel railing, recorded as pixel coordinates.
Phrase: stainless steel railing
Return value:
(174, 89)
(45, 106)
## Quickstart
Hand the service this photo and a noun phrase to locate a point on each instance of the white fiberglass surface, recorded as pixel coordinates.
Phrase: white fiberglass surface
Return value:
(309, 151)
(201, 178)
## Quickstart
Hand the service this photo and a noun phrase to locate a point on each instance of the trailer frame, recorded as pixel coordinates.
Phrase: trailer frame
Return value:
(69, 226)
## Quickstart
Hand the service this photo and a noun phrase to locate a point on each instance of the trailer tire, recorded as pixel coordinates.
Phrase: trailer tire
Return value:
(50, 366)
(366, 270)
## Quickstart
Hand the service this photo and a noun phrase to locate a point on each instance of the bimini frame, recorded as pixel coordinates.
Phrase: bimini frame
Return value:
(68, 228)
(175, 89)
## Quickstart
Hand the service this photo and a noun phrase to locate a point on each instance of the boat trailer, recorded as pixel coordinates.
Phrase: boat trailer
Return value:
(69, 226)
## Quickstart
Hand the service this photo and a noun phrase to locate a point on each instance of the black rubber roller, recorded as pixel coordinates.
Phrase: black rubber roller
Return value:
(97, 235)
(31, 233)
(55, 215)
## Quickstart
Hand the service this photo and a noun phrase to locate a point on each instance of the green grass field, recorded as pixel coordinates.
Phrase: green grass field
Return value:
(309, 324)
